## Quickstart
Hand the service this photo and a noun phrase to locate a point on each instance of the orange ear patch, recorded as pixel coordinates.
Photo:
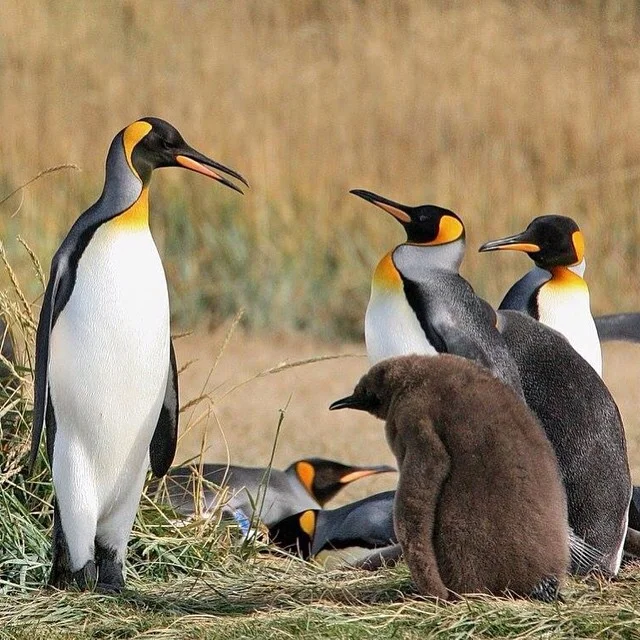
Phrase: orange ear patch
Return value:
(131, 136)
(577, 238)
(308, 522)
(306, 473)
(386, 275)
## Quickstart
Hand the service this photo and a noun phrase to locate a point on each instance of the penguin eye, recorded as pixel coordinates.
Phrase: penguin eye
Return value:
(422, 218)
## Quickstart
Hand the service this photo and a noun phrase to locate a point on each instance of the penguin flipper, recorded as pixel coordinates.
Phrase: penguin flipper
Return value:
(163, 443)
(458, 343)
(41, 383)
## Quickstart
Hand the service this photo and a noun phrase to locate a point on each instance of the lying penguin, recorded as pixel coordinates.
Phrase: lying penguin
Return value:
(305, 485)
(480, 506)
(366, 524)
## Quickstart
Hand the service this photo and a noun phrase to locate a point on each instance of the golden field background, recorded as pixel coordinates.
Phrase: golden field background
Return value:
(501, 111)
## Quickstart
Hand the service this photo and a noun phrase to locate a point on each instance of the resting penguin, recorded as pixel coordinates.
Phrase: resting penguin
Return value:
(366, 523)
(480, 506)
(619, 326)
(106, 381)
(419, 302)
(306, 484)
(554, 291)
(567, 396)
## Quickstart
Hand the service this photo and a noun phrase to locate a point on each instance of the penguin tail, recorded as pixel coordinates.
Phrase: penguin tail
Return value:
(547, 590)
(584, 557)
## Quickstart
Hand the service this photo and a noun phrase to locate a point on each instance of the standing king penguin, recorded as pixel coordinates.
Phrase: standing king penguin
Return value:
(421, 304)
(416, 284)
(106, 383)
(554, 291)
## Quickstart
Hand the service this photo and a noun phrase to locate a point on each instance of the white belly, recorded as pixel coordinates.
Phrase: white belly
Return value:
(109, 360)
(567, 311)
(391, 327)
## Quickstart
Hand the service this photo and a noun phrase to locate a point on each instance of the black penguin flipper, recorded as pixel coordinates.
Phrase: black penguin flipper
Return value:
(165, 438)
(457, 343)
(619, 326)
(41, 383)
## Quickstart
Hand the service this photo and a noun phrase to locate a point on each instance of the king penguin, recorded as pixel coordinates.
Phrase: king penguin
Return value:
(106, 383)
(568, 397)
(366, 524)
(419, 302)
(305, 484)
(554, 292)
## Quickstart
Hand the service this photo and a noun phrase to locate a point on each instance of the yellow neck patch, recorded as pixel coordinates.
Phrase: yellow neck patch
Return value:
(386, 275)
(308, 522)
(306, 473)
(131, 136)
(136, 216)
(563, 277)
(578, 245)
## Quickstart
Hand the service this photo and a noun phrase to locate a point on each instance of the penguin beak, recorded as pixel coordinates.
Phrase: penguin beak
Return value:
(196, 161)
(519, 242)
(364, 473)
(394, 208)
(349, 402)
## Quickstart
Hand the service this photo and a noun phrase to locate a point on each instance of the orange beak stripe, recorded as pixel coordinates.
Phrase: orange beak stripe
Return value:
(356, 475)
(521, 246)
(193, 165)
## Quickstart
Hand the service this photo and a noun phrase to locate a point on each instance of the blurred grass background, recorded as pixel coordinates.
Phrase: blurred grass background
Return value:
(501, 111)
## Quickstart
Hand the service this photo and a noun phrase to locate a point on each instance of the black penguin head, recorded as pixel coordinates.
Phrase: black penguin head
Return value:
(550, 241)
(295, 533)
(152, 143)
(426, 225)
(379, 386)
(323, 479)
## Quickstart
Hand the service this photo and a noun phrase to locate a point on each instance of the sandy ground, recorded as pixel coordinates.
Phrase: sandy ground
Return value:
(239, 418)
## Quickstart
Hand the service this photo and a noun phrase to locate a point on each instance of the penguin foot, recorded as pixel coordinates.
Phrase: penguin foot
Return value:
(547, 590)
(110, 575)
(86, 577)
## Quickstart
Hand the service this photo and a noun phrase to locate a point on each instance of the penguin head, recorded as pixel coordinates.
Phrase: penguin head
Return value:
(425, 225)
(379, 387)
(295, 533)
(550, 241)
(152, 143)
(323, 479)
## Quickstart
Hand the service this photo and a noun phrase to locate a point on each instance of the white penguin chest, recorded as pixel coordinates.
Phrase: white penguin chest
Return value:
(109, 349)
(391, 327)
(564, 306)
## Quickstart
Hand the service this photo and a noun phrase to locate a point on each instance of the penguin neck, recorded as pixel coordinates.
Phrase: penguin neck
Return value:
(571, 276)
(125, 197)
(415, 260)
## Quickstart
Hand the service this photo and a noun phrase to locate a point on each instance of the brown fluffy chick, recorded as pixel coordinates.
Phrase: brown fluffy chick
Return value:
(480, 506)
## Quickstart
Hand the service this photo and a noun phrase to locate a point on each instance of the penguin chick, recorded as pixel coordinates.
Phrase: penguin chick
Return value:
(554, 291)
(480, 505)
(305, 484)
